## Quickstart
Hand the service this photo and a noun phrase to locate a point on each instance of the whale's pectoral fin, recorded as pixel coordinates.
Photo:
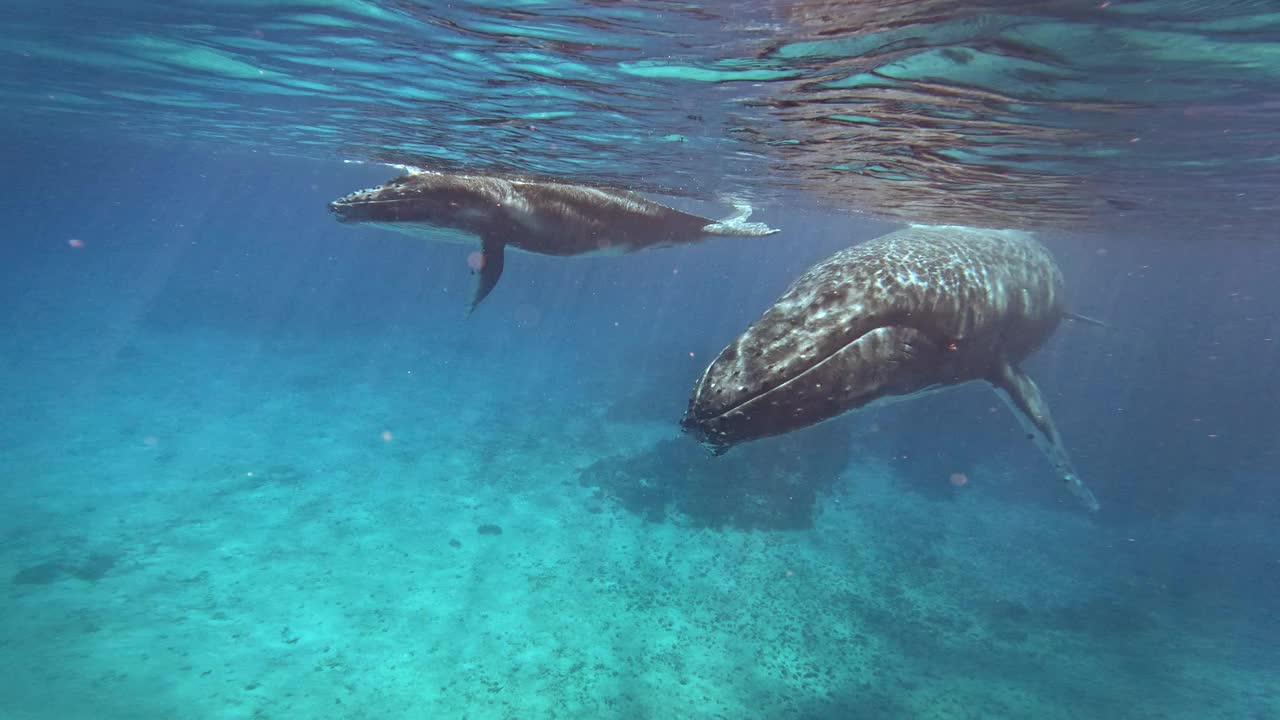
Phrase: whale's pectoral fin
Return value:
(1023, 397)
(492, 256)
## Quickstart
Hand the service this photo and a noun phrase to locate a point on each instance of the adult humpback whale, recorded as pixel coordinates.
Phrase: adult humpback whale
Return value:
(539, 217)
(915, 310)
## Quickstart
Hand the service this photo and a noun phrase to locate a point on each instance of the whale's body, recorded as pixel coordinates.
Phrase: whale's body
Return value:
(547, 218)
(913, 311)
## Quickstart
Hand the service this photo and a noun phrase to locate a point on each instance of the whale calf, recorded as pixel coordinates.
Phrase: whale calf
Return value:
(920, 309)
(539, 217)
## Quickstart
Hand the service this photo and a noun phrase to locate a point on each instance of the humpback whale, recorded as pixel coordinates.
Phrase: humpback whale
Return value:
(921, 309)
(538, 217)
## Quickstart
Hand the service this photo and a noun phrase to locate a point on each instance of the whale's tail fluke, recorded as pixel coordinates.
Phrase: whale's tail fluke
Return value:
(736, 224)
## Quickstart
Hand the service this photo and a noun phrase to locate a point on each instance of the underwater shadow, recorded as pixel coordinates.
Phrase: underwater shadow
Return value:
(771, 484)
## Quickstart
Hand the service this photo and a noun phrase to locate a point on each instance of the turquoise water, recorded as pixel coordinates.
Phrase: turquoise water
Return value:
(258, 464)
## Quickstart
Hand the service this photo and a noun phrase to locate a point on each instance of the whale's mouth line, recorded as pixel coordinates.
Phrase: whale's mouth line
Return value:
(356, 203)
(766, 391)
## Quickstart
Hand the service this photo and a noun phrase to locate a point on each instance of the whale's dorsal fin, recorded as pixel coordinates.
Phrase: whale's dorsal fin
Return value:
(492, 257)
(1024, 399)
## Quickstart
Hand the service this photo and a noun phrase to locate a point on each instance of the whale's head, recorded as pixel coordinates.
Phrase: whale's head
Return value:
(424, 201)
(836, 341)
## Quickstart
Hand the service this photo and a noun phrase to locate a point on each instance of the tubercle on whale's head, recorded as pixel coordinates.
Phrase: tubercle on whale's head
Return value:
(416, 197)
(714, 440)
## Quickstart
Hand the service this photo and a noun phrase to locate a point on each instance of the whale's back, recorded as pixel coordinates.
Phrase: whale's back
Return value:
(1001, 288)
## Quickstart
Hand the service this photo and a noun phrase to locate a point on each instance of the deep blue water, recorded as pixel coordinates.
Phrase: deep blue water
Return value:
(253, 458)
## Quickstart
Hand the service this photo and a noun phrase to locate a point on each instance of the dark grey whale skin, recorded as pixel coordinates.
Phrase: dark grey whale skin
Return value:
(917, 310)
(548, 218)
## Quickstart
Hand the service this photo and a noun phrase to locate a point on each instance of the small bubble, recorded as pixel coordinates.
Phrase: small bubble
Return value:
(386, 436)
(527, 315)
